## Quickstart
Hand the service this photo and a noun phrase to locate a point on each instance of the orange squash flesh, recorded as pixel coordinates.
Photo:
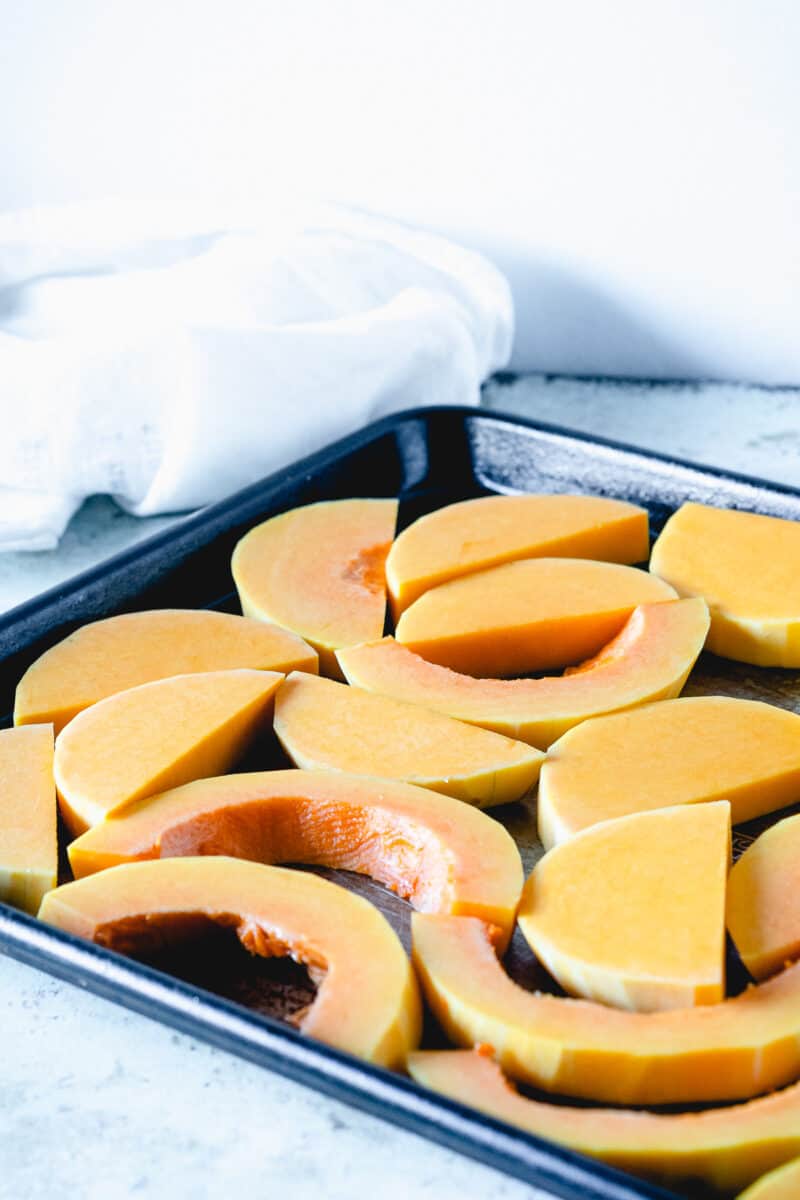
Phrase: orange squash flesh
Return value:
(763, 909)
(28, 843)
(723, 1148)
(532, 615)
(441, 855)
(729, 1051)
(319, 570)
(680, 752)
(747, 567)
(367, 1002)
(649, 660)
(156, 736)
(476, 534)
(323, 724)
(631, 912)
(782, 1183)
(122, 652)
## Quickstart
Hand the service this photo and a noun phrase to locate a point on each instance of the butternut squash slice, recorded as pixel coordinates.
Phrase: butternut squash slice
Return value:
(764, 900)
(367, 1002)
(325, 724)
(782, 1183)
(729, 1051)
(723, 1148)
(747, 567)
(679, 752)
(28, 843)
(122, 652)
(441, 855)
(319, 570)
(649, 660)
(156, 736)
(532, 615)
(475, 534)
(631, 912)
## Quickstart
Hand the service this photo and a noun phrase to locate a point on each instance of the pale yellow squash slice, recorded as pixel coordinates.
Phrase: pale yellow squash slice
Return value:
(323, 724)
(367, 1001)
(747, 567)
(723, 1148)
(28, 840)
(683, 751)
(157, 736)
(475, 534)
(319, 571)
(764, 900)
(631, 912)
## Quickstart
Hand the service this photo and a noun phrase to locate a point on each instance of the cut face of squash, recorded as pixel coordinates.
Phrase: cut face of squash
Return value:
(747, 567)
(156, 736)
(533, 615)
(650, 660)
(441, 855)
(367, 1002)
(729, 1051)
(122, 652)
(681, 752)
(723, 1148)
(632, 912)
(28, 845)
(319, 570)
(782, 1183)
(322, 724)
(764, 900)
(475, 534)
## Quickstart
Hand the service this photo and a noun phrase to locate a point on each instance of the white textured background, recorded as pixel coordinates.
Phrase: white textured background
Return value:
(634, 167)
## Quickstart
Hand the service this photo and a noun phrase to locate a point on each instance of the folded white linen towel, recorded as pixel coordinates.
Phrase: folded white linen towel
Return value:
(168, 360)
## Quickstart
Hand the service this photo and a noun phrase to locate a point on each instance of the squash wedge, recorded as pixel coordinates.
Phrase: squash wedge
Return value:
(442, 855)
(649, 660)
(156, 736)
(319, 571)
(475, 534)
(112, 655)
(723, 1148)
(324, 724)
(729, 1051)
(367, 1001)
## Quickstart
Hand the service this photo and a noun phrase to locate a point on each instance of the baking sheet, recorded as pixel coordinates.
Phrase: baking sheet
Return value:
(218, 992)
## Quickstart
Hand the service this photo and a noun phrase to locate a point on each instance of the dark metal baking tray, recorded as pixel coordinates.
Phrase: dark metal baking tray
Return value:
(428, 457)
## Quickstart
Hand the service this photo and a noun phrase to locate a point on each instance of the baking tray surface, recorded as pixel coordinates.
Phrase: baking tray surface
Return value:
(428, 457)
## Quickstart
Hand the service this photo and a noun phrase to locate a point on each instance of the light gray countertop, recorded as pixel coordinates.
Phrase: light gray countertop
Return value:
(99, 1103)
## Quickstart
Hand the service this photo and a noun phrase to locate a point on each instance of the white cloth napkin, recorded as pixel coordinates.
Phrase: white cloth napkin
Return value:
(168, 361)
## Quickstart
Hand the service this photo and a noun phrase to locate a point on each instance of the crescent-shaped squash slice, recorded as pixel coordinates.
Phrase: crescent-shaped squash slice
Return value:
(729, 1051)
(319, 570)
(160, 735)
(680, 752)
(763, 910)
(632, 912)
(122, 652)
(649, 660)
(28, 842)
(532, 615)
(475, 534)
(782, 1183)
(747, 567)
(723, 1148)
(441, 855)
(325, 724)
(367, 1002)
